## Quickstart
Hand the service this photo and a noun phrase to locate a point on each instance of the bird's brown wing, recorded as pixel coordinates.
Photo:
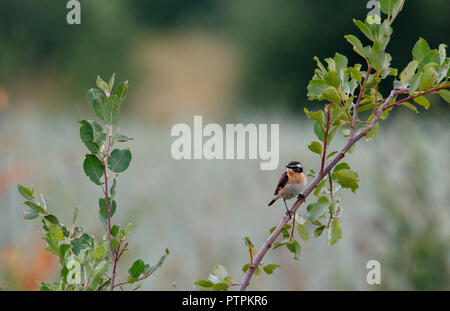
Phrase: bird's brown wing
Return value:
(282, 182)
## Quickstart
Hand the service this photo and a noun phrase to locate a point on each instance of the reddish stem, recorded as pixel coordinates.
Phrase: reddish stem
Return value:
(325, 140)
(251, 252)
(356, 106)
(417, 95)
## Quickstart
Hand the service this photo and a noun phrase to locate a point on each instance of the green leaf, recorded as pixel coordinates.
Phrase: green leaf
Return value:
(35, 207)
(303, 232)
(63, 251)
(357, 45)
(220, 287)
(372, 82)
(409, 106)
(95, 99)
(270, 268)
(422, 101)
(123, 138)
(245, 268)
(355, 74)
(98, 253)
(365, 29)
(319, 187)
(318, 116)
(420, 50)
(87, 136)
(347, 179)
(318, 231)
(121, 91)
(445, 94)
(77, 245)
(137, 268)
(317, 209)
(30, 214)
(56, 232)
(150, 269)
(101, 84)
(229, 279)
(334, 232)
(414, 83)
(429, 76)
(103, 212)
(295, 248)
(331, 94)
(387, 6)
(113, 188)
(377, 58)
(442, 53)
(203, 283)
(115, 230)
(373, 131)
(111, 83)
(315, 147)
(316, 87)
(75, 215)
(221, 272)
(27, 193)
(257, 272)
(93, 168)
(432, 57)
(100, 269)
(319, 131)
(331, 154)
(52, 219)
(341, 166)
(408, 72)
(341, 61)
(111, 109)
(119, 160)
(278, 244)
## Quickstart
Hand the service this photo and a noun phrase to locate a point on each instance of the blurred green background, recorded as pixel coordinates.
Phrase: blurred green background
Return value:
(229, 61)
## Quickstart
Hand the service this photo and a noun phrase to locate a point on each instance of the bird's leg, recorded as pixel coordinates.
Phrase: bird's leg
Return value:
(288, 212)
(301, 196)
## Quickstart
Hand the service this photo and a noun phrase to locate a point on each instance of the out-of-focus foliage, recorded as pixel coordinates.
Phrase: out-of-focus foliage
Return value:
(416, 249)
(277, 38)
(36, 42)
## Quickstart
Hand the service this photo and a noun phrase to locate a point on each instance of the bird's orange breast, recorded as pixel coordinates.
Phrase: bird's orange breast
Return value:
(296, 178)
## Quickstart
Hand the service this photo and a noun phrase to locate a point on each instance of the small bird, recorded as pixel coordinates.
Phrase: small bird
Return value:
(291, 183)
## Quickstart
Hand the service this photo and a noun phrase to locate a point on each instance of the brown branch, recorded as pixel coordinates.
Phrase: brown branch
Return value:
(268, 243)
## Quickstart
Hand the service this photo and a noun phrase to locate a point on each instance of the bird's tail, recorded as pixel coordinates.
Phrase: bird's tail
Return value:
(273, 201)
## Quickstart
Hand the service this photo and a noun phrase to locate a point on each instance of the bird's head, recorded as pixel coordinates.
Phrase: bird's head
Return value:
(295, 167)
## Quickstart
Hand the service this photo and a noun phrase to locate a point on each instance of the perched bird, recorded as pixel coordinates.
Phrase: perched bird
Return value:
(291, 183)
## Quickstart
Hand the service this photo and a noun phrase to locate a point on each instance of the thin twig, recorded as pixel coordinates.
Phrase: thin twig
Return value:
(251, 252)
(356, 106)
(324, 153)
(417, 95)
(293, 228)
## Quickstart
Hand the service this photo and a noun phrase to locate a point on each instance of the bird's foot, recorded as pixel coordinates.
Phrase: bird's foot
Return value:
(301, 196)
(288, 213)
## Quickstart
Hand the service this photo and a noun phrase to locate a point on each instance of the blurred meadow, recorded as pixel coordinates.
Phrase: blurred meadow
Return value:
(231, 62)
